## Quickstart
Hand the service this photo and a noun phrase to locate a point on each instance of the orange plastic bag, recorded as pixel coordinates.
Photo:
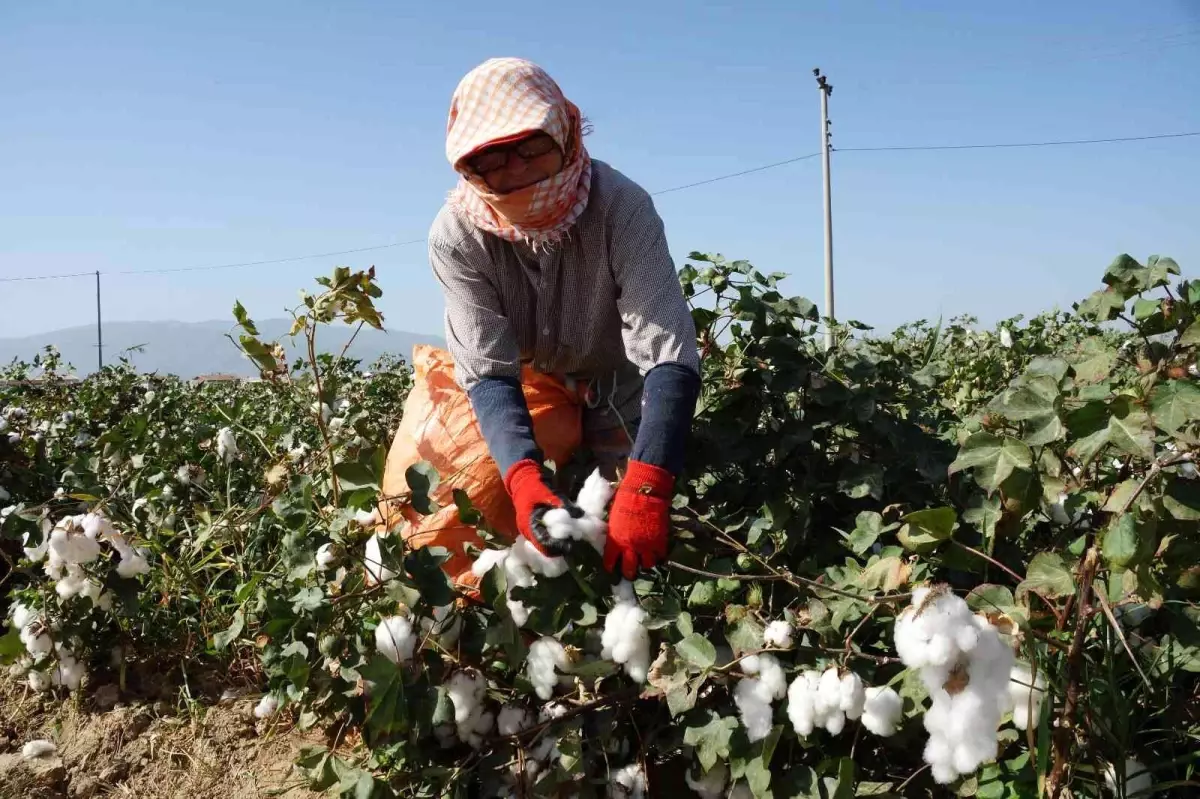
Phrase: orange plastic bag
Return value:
(439, 426)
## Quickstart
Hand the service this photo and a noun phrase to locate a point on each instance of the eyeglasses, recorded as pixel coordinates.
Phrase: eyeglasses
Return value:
(496, 158)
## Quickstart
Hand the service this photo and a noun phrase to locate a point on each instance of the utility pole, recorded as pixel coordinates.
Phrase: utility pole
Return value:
(826, 89)
(99, 329)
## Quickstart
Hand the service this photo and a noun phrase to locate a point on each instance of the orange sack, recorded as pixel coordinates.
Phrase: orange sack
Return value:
(439, 426)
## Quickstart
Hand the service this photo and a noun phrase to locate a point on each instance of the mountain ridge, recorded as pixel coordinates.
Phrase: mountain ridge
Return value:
(190, 349)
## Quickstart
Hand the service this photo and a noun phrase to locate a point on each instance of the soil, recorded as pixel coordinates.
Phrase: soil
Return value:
(111, 744)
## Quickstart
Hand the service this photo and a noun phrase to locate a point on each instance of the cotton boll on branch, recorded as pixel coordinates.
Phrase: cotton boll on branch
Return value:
(628, 782)
(395, 640)
(882, 710)
(625, 640)
(546, 655)
(467, 689)
(853, 696)
(935, 630)
(512, 720)
(778, 635)
(373, 559)
(801, 709)
(326, 558)
(227, 449)
(755, 694)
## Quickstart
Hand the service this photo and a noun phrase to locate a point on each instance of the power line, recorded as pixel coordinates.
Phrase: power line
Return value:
(264, 263)
(709, 181)
(1010, 145)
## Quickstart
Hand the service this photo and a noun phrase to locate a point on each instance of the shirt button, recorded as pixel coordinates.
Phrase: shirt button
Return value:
(545, 331)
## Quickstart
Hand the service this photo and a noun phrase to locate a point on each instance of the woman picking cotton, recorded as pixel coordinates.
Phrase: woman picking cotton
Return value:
(551, 258)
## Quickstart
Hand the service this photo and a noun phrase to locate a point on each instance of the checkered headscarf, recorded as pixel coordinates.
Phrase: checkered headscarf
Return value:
(505, 99)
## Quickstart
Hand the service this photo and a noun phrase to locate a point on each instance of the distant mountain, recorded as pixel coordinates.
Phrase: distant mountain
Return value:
(188, 349)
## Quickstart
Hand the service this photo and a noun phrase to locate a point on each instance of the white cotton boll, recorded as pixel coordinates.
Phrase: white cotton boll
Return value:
(1006, 339)
(937, 635)
(367, 518)
(545, 656)
(754, 708)
(853, 696)
(560, 525)
(96, 526)
(95, 592)
(394, 639)
(41, 748)
(801, 703)
(373, 559)
(54, 567)
(835, 722)
(519, 612)
(625, 639)
(68, 672)
(326, 558)
(829, 692)
(1025, 695)
(267, 707)
(513, 719)
(525, 552)
(22, 616)
(72, 584)
(1137, 779)
(37, 642)
(778, 635)
(38, 681)
(593, 498)
(882, 710)
(770, 673)
(445, 626)
(466, 690)
(227, 449)
(298, 452)
(133, 563)
(486, 560)
(336, 424)
(628, 782)
(711, 784)
(72, 546)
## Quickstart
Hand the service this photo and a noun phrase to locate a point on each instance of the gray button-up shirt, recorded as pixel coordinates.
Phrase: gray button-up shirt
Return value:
(603, 304)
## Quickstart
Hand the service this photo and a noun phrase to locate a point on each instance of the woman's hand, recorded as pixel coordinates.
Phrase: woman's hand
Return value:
(532, 498)
(639, 519)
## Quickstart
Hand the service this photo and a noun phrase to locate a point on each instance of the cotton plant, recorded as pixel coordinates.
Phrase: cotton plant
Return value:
(626, 638)
(467, 690)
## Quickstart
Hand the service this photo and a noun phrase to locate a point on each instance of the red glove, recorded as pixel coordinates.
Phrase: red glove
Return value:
(532, 498)
(639, 518)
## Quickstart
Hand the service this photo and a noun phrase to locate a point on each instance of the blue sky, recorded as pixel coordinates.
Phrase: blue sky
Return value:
(146, 135)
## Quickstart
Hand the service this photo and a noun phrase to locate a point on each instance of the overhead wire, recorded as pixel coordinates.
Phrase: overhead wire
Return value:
(656, 193)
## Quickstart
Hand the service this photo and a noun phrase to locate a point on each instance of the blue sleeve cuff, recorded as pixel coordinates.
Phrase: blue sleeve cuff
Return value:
(504, 420)
(669, 398)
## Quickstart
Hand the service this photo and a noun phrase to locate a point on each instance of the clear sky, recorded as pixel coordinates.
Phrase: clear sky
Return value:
(149, 135)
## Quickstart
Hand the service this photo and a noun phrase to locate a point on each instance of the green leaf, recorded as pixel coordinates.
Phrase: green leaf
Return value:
(1043, 430)
(1130, 431)
(745, 635)
(885, 574)
(868, 526)
(1182, 499)
(984, 513)
(711, 741)
(1049, 576)
(11, 646)
(670, 677)
(307, 600)
(243, 318)
(387, 710)
(227, 636)
(697, 651)
(422, 481)
(989, 597)
(424, 564)
(1031, 397)
(845, 779)
(862, 480)
(1129, 540)
(1103, 306)
(992, 458)
(924, 529)
(1191, 336)
(1120, 495)
(467, 512)
(352, 475)
(1174, 404)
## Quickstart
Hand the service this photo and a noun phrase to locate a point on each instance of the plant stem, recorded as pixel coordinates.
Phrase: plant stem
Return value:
(1064, 733)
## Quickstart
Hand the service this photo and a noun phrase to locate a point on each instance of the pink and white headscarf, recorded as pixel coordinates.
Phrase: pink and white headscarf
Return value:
(505, 99)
